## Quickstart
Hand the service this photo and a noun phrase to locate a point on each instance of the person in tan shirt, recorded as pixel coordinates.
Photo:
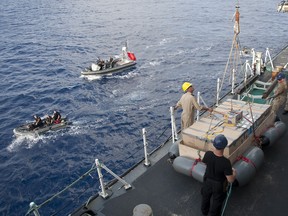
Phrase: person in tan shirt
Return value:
(188, 103)
(280, 93)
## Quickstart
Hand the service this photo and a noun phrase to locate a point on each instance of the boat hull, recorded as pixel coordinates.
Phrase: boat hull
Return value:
(115, 69)
(24, 130)
(283, 7)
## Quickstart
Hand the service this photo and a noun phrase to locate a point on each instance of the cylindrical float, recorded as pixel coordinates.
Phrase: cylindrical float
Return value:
(174, 150)
(247, 164)
(273, 133)
(190, 167)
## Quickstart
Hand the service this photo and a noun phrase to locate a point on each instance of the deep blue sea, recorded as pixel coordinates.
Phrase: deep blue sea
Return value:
(44, 45)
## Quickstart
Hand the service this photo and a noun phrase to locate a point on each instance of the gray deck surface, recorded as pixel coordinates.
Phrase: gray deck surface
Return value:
(171, 193)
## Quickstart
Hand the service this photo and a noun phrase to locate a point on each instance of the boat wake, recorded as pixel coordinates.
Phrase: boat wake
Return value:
(163, 42)
(154, 63)
(91, 77)
(109, 76)
(26, 141)
(128, 75)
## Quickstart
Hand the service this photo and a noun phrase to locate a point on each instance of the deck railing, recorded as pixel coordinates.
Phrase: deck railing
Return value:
(34, 208)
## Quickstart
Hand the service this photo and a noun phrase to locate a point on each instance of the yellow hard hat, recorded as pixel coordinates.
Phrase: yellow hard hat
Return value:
(185, 86)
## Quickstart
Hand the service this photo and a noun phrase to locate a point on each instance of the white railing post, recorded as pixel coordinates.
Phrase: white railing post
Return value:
(270, 59)
(253, 66)
(253, 57)
(103, 192)
(265, 59)
(218, 92)
(245, 74)
(147, 162)
(203, 101)
(35, 208)
(198, 100)
(258, 62)
(233, 81)
(173, 125)
(248, 68)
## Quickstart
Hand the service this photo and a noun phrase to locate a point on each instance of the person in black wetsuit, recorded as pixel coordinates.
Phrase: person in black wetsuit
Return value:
(218, 172)
(48, 120)
(38, 123)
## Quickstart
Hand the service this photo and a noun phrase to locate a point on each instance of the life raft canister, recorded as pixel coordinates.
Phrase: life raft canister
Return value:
(131, 56)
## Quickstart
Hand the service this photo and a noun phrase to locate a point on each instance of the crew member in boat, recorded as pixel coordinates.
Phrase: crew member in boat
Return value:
(37, 123)
(111, 65)
(107, 64)
(280, 93)
(56, 117)
(218, 173)
(48, 120)
(100, 63)
(188, 103)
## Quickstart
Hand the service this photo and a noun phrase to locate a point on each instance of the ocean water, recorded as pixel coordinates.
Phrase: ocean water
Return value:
(44, 45)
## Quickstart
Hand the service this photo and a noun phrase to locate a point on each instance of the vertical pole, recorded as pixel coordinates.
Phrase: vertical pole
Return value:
(258, 62)
(253, 60)
(218, 92)
(35, 208)
(233, 81)
(147, 162)
(268, 54)
(103, 191)
(247, 67)
(245, 73)
(198, 100)
(173, 125)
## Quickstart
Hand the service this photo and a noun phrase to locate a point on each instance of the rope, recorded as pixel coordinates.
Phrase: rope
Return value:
(67, 187)
(227, 64)
(210, 136)
(65, 206)
(163, 132)
(226, 200)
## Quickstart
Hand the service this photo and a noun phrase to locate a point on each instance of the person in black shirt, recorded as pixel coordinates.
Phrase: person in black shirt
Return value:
(38, 123)
(218, 172)
(56, 117)
(48, 120)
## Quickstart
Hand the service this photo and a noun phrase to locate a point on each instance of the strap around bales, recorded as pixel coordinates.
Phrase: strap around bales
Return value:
(194, 164)
(247, 160)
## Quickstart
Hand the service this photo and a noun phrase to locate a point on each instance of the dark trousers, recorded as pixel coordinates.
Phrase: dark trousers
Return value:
(216, 190)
